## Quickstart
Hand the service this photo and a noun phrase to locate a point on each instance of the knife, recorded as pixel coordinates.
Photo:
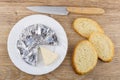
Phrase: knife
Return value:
(58, 10)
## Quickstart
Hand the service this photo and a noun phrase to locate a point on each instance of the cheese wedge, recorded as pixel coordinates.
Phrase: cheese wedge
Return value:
(48, 56)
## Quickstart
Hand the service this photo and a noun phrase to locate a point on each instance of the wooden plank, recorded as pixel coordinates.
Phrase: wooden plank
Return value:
(13, 10)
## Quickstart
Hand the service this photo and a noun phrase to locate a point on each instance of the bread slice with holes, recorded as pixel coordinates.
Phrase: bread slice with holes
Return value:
(84, 57)
(86, 27)
(103, 45)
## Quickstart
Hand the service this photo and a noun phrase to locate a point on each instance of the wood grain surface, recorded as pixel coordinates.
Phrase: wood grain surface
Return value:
(13, 10)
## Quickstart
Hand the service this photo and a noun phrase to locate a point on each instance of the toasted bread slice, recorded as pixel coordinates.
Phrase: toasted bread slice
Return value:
(85, 26)
(103, 45)
(84, 57)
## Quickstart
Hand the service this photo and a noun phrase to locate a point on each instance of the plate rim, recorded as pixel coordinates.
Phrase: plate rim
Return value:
(19, 22)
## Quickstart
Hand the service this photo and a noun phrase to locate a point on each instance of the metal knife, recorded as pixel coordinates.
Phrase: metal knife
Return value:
(59, 10)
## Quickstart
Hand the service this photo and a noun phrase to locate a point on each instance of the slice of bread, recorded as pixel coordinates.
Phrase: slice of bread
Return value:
(103, 45)
(85, 26)
(84, 57)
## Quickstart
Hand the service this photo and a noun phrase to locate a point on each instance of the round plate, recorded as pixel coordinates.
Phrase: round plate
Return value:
(61, 49)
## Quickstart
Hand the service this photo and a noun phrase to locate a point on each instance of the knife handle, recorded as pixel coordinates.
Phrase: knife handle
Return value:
(83, 10)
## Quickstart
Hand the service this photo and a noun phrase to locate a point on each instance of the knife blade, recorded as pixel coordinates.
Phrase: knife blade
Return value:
(61, 10)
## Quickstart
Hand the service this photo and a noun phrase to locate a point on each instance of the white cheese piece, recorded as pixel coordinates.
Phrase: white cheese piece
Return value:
(48, 56)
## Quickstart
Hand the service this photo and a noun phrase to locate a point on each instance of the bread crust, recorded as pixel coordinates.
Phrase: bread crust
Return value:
(101, 32)
(73, 58)
(98, 26)
(112, 46)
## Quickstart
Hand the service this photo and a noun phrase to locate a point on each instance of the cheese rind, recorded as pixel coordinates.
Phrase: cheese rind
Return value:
(48, 56)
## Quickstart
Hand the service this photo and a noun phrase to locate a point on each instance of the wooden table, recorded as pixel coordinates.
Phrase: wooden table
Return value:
(13, 10)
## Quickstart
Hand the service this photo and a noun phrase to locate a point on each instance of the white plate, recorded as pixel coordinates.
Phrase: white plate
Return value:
(61, 50)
